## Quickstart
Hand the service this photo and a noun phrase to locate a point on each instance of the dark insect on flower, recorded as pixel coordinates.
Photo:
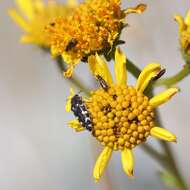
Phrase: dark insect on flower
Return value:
(52, 24)
(107, 109)
(159, 75)
(102, 82)
(125, 25)
(71, 44)
(105, 42)
(81, 112)
(84, 59)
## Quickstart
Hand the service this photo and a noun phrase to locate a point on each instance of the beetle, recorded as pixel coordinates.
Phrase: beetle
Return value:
(80, 110)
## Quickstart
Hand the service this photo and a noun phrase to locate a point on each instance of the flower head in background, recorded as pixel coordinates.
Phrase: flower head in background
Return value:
(184, 30)
(121, 116)
(94, 27)
(33, 15)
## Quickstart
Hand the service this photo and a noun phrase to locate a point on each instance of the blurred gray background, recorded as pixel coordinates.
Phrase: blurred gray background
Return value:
(38, 151)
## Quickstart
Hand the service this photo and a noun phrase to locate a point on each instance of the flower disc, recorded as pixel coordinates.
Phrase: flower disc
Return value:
(122, 117)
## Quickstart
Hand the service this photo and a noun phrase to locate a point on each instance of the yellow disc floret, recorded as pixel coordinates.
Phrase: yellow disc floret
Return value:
(122, 117)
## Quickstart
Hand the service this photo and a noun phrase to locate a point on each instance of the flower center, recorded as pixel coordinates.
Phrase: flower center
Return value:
(122, 117)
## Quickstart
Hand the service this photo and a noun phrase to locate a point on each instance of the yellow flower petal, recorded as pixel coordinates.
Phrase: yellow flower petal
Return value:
(187, 19)
(163, 97)
(120, 67)
(101, 163)
(162, 134)
(127, 159)
(138, 9)
(71, 61)
(68, 103)
(69, 72)
(99, 67)
(27, 39)
(26, 6)
(72, 3)
(19, 20)
(150, 71)
(54, 52)
(75, 124)
(38, 5)
(180, 22)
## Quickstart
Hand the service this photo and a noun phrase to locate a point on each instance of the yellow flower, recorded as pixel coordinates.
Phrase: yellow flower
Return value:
(94, 26)
(184, 30)
(33, 15)
(122, 116)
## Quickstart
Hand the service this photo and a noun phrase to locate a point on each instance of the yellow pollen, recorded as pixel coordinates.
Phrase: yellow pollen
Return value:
(124, 119)
(93, 26)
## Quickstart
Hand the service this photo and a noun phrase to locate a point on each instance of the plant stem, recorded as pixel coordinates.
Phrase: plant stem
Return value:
(170, 162)
(154, 154)
(133, 69)
(170, 81)
(167, 160)
(173, 166)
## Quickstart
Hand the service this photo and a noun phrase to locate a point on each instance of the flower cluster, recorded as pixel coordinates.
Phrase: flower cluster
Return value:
(94, 27)
(122, 116)
(184, 29)
(34, 15)
(119, 116)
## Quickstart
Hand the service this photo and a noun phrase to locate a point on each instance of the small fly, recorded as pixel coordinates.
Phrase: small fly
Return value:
(102, 82)
(159, 75)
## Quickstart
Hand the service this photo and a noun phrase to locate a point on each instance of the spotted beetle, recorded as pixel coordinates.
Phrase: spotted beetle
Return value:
(80, 110)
